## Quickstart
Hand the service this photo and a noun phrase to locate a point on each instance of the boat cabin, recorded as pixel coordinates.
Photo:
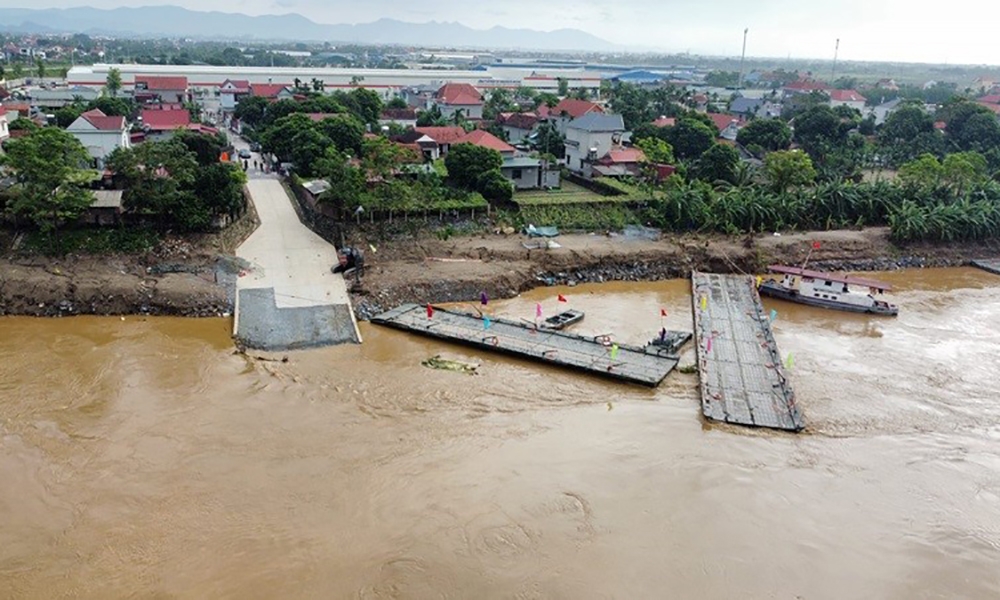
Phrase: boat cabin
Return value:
(829, 289)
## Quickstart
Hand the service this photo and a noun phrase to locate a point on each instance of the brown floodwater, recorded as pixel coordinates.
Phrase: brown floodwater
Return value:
(142, 458)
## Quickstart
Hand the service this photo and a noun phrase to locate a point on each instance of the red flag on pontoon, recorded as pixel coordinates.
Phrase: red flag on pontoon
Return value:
(815, 245)
(562, 298)
(663, 312)
(430, 311)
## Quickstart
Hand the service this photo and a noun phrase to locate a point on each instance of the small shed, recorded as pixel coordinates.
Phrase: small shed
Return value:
(311, 191)
(106, 209)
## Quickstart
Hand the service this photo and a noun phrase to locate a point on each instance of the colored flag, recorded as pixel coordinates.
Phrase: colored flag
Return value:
(760, 280)
(486, 323)
(774, 315)
(372, 246)
(815, 245)
(430, 311)
(704, 302)
(708, 344)
(483, 298)
(538, 310)
(562, 298)
(614, 351)
(663, 312)
(788, 361)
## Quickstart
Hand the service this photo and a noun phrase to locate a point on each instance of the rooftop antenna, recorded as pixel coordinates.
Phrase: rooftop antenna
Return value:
(743, 56)
(836, 51)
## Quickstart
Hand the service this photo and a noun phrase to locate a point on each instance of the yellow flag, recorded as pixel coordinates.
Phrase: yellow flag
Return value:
(704, 302)
(760, 280)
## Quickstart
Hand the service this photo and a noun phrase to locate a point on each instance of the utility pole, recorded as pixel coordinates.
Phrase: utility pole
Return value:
(836, 51)
(743, 56)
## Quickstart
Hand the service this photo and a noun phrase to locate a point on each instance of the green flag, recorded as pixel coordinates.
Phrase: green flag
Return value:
(614, 351)
(788, 361)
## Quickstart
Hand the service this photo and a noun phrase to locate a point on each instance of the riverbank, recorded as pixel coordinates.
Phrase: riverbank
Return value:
(196, 277)
(459, 269)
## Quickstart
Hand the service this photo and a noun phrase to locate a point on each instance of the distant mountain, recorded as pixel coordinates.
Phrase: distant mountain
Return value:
(174, 21)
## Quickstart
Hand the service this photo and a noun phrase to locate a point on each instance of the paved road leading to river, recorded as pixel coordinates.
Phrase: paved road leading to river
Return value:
(289, 298)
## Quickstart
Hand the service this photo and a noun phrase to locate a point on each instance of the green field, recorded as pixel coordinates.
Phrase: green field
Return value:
(569, 193)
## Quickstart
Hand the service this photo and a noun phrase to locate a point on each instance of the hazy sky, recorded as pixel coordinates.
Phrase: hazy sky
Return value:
(960, 31)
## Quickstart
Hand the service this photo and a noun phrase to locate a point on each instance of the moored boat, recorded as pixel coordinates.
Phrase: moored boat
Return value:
(563, 319)
(827, 290)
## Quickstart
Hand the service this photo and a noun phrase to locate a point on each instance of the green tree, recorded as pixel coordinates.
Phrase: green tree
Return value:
(769, 134)
(964, 169)
(397, 103)
(431, 118)
(40, 68)
(219, 186)
(277, 138)
(47, 166)
(546, 99)
(207, 149)
(723, 79)
(922, 173)
(498, 101)
(689, 138)
(581, 93)
(158, 178)
(113, 82)
(907, 133)
(307, 145)
(17, 71)
(365, 104)
(348, 186)
(548, 140)
(345, 131)
(786, 168)
(494, 186)
(67, 114)
(113, 107)
(563, 87)
(657, 151)
(22, 124)
(718, 164)
(467, 162)
(251, 110)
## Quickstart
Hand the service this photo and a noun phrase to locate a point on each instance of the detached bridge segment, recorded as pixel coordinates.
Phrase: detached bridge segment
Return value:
(742, 378)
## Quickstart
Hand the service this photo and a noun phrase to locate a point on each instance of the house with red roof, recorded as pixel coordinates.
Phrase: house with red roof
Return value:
(162, 90)
(485, 139)
(4, 125)
(230, 93)
(518, 126)
(849, 98)
(620, 161)
(434, 141)
(271, 91)
(405, 117)
(100, 134)
(568, 109)
(664, 122)
(728, 125)
(162, 124)
(454, 97)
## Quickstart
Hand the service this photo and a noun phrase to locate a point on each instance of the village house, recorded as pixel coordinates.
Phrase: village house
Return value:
(664, 121)
(4, 125)
(162, 124)
(230, 93)
(881, 112)
(590, 138)
(728, 125)
(161, 90)
(452, 98)
(61, 96)
(404, 117)
(106, 209)
(271, 91)
(566, 111)
(619, 162)
(100, 134)
(434, 142)
(848, 98)
(518, 127)
(524, 172)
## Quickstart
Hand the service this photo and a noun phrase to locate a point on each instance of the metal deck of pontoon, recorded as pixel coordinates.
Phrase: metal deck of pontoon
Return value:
(586, 353)
(742, 378)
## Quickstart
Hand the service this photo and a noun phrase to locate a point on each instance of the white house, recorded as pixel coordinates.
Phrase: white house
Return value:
(231, 91)
(100, 134)
(882, 111)
(404, 117)
(4, 126)
(455, 97)
(566, 111)
(848, 98)
(591, 137)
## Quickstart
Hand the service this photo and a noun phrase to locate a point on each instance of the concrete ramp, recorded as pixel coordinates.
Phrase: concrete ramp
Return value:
(288, 298)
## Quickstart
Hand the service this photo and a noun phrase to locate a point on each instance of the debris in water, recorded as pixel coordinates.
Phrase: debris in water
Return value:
(443, 364)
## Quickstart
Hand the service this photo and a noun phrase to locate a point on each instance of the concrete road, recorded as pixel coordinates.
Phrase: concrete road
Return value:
(289, 298)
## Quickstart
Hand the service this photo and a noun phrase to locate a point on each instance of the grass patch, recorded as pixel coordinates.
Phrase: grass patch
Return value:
(589, 217)
(569, 193)
(117, 240)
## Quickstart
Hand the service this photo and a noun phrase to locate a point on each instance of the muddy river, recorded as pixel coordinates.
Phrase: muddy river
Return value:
(142, 458)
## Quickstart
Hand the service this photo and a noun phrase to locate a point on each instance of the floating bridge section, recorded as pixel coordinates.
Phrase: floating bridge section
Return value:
(593, 354)
(742, 379)
(992, 266)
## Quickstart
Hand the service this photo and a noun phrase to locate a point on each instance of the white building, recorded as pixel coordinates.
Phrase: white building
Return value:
(849, 98)
(59, 97)
(882, 111)
(591, 137)
(231, 91)
(4, 125)
(100, 134)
